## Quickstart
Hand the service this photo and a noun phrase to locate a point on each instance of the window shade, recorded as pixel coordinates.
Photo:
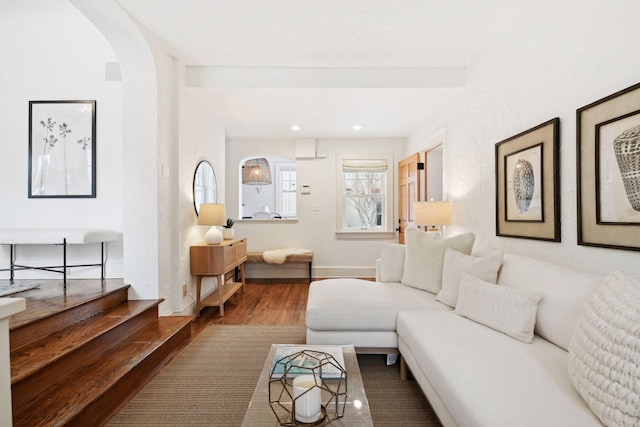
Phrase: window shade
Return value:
(368, 165)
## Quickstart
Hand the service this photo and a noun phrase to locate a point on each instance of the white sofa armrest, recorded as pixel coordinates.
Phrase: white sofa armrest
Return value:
(378, 277)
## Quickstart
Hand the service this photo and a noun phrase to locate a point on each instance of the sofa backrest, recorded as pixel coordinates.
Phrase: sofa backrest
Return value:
(565, 292)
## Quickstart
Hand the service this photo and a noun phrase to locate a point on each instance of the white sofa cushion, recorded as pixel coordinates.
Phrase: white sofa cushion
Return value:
(485, 378)
(391, 262)
(361, 305)
(424, 257)
(565, 292)
(508, 310)
(604, 355)
(359, 339)
(455, 263)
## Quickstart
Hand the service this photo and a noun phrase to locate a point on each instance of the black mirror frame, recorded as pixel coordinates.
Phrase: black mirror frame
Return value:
(193, 184)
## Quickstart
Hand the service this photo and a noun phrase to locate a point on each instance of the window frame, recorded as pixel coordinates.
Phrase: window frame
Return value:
(387, 229)
(283, 167)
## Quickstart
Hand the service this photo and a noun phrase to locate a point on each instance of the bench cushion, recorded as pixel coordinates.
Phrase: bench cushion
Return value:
(295, 255)
(361, 305)
(47, 236)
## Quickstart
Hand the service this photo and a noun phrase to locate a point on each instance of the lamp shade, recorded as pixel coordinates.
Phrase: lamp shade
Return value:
(211, 214)
(256, 172)
(432, 213)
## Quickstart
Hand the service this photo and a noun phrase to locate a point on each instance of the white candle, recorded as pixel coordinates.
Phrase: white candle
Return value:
(307, 397)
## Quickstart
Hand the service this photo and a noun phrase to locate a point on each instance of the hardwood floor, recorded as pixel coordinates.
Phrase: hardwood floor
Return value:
(264, 302)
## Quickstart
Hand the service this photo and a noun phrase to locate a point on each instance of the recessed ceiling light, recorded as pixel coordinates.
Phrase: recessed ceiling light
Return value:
(357, 127)
(295, 128)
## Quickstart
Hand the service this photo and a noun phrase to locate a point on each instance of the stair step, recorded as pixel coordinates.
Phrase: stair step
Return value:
(47, 350)
(44, 318)
(104, 380)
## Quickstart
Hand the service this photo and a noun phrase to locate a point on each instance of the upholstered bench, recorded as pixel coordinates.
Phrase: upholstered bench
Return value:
(282, 256)
(55, 236)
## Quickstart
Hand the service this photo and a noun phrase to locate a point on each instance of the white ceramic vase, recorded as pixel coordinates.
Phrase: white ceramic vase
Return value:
(227, 233)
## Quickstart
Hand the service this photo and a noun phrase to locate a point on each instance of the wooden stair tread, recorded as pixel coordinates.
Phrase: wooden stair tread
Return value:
(96, 376)
(44, 352)
(76, 295)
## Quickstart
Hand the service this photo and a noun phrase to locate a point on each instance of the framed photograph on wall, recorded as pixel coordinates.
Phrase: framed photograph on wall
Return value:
(528, 183)
(62, 149)
(608, 154)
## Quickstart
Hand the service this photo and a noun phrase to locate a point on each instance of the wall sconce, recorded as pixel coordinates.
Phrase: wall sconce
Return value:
(432, 214)
(212, 214)
(256, 172)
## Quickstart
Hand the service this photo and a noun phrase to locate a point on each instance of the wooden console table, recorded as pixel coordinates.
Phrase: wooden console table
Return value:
(217, 261)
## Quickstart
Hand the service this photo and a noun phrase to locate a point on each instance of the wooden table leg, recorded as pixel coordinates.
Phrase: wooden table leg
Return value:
(220, 297)
(242, 277)
(198, 287)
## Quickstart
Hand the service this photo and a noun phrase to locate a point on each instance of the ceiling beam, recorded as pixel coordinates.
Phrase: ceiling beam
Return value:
(356, 77)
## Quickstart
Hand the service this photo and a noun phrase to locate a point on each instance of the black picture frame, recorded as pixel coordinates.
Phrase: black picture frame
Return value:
(527, 179)
(608, 171)
(62, 149)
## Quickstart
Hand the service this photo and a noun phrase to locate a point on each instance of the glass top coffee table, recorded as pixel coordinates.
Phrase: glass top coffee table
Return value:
(356, 411)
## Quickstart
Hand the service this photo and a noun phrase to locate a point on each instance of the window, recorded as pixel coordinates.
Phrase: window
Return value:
(365, 202)
(286, 189)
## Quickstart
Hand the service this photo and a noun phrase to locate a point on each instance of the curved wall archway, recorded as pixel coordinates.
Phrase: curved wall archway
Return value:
(140, 146)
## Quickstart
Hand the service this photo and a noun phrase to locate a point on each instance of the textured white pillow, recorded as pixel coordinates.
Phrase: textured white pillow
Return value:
(424, 257)
(508, 310)
(604, 354)
(391, 262)
(456, 263)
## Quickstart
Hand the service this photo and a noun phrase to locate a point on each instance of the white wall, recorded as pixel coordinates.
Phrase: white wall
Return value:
(40, 41)
(571, 54)
(201, 138)
(313, 230)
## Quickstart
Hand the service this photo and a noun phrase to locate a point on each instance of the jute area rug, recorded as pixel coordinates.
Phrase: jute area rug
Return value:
(211, 383)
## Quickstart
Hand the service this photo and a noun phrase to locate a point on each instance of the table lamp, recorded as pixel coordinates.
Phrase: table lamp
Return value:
(432, 214)
(212, 214)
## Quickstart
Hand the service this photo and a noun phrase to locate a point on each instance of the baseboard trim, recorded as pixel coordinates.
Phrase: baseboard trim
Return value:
(301, 270)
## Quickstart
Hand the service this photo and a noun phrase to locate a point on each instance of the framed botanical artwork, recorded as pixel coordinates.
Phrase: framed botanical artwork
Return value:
(528, 184)
(608, 154)
(62, 149)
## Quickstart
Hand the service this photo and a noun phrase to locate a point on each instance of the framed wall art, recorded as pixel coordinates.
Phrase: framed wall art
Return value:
(62, 149)
(528, 184)
(608, 167)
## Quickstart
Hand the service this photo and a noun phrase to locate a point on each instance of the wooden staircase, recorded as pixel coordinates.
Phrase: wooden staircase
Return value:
(78, 365)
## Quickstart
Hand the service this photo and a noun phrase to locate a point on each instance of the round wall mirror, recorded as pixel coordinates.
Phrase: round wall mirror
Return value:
(204, 185)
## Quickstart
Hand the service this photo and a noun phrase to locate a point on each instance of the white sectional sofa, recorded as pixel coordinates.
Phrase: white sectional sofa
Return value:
(473, 375)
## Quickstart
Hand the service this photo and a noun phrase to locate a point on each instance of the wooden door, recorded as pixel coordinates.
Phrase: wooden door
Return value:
(408, 191)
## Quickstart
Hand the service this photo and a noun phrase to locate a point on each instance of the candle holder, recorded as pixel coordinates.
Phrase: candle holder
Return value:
(325, 379)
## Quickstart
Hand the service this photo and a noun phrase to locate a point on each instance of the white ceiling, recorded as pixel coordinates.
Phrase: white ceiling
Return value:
(364, 36)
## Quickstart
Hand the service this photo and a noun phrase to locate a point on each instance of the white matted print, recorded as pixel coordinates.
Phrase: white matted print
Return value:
(523, 195)
(62, 145)
(618, 170)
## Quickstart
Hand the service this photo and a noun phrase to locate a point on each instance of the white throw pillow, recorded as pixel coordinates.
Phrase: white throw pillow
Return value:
(391, 262)
(456, 263)
(508, 310)
(604, 354)
(424, 257)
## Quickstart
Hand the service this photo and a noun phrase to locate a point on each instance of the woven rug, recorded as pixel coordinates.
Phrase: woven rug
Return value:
(15, 288)
(211, 383)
